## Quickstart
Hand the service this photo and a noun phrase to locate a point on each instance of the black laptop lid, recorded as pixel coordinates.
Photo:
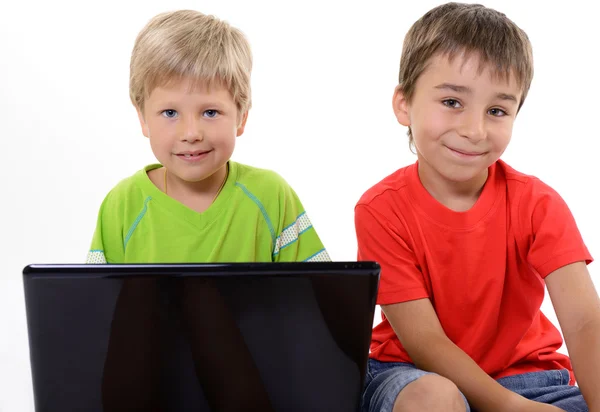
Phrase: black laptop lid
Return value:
(212, 337)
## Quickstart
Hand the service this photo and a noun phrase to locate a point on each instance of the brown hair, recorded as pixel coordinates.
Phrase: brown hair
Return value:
(455, 28)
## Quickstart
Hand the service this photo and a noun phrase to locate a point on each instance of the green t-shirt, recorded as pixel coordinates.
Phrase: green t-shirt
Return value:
(257, 217)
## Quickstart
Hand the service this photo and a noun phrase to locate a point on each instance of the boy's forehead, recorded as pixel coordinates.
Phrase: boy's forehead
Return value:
(465, 66)
(186, 85)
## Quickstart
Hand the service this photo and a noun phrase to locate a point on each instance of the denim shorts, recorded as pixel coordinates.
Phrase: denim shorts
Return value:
(385, 380)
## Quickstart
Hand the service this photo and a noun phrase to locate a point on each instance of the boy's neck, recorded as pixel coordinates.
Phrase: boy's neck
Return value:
(457, 196)
(197, 196)
(206, 187)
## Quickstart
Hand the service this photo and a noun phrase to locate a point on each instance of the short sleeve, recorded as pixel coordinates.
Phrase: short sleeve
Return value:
(555, 240)
(384, 242)
(107, 241)
(296, 238)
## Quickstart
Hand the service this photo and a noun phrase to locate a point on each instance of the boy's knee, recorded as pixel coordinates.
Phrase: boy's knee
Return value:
(430, 393)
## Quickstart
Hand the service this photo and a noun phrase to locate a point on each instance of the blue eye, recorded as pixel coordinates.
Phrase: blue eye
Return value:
(211, 113)
(169, 113)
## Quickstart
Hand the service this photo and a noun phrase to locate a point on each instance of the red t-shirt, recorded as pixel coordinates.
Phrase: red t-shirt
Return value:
(482, 269)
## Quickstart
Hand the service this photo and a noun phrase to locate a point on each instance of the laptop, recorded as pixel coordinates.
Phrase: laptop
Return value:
(200, 337)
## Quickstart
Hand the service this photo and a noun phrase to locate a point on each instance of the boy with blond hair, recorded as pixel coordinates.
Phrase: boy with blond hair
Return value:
(467, 244)
(190, 84)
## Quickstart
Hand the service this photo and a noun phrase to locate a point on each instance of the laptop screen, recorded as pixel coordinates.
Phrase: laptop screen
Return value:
(205, 341)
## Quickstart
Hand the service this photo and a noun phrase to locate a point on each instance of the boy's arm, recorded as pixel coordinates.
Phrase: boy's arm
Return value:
(107, 242)
(577, 307)
(96, 253)
(296, 240)
(415, 322)
(419, 330)
(559, 255)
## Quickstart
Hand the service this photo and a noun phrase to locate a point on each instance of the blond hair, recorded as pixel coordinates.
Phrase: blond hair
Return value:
(192, 45)
(455, 28)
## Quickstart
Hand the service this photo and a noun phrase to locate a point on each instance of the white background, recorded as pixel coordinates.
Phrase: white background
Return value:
(322, 86)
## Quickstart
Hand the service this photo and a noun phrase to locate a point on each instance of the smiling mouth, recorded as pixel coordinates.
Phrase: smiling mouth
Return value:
(193, 154)
(464, 153)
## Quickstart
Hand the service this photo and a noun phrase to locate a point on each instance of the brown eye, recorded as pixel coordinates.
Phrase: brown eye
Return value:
(452, 103)
(497, 112)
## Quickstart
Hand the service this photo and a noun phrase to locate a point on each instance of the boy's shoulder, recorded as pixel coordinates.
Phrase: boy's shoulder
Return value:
(514, 176)
(525, 187)
(521, 186)
(390, 186)
(134, 188)
(258, 181)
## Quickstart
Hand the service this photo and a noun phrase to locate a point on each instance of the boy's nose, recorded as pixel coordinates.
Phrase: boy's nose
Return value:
(191, 131)
(473, 127)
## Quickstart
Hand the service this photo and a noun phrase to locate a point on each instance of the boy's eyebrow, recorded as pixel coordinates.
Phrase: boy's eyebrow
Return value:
(504, 96)
(464, 89)
(455, 88)
(173, 103)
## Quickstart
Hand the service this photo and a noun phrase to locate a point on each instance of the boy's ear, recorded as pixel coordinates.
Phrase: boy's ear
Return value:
(142, 122)
(400, 105)
(242, 124)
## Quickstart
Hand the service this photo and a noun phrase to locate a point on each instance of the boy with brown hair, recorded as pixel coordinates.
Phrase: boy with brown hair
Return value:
(466, 243)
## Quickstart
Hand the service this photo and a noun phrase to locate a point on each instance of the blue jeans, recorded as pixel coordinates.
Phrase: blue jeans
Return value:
(385, 380)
